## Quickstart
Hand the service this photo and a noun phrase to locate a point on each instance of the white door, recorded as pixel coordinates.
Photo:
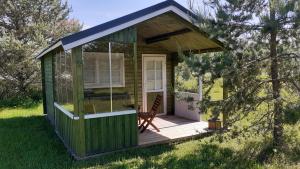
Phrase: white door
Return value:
(154, 80)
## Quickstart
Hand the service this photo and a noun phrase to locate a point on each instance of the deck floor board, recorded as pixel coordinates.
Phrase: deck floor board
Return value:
(171, 128)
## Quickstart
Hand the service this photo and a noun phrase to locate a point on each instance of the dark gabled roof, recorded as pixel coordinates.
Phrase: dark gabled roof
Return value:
(121, 20)
(93, 33)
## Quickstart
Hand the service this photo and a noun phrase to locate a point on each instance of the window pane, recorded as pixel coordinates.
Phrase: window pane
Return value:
(154, 75)
(63, 80)
(158, 74)
(150, 85)
(98, 76)
(116, 78)
(97, 96)
(89, 69)
(103, 74)
(150, 65)
(150, 74)
(158, 84)
(123, 97)
(158, 65)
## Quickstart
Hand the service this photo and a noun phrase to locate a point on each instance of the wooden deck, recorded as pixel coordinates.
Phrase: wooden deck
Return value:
(171, 128)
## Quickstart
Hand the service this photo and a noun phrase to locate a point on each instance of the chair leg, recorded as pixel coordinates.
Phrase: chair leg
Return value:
(147, 125)
(154, 127)
(142, 125)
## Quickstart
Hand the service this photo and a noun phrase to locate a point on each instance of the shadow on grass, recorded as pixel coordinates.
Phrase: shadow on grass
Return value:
(30, 142)
(205, 157)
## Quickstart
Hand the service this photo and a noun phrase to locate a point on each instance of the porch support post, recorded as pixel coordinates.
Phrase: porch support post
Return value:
(200, 87)
(78, 99)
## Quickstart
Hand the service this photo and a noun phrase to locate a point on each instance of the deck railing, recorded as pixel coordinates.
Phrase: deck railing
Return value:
(104, 132)
(186, 105)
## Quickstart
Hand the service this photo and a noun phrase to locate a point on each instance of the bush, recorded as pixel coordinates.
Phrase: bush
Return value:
(292, 114)
(34, 97)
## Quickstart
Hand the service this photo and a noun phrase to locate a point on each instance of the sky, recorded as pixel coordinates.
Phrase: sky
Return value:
(95, 12)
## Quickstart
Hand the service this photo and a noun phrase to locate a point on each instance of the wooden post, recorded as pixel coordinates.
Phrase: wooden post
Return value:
(200, 93)
(135, 75)
(43, 85)
(200, 83)
(78, 99)
(200, 86)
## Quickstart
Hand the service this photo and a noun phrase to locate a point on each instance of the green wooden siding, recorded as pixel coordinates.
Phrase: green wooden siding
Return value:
(127, 35)
(64, 127)
(49, 84)
(111, 133)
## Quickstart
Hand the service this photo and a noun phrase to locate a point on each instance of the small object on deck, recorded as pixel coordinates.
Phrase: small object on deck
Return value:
(149, 116)
(214, 124)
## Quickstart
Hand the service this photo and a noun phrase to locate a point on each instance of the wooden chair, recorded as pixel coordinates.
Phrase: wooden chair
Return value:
(148, 117)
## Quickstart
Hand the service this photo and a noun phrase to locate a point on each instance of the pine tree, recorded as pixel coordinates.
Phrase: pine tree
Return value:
(260, 65)
(26, 27)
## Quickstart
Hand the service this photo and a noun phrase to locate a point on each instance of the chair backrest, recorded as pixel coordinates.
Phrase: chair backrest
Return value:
(156, 104)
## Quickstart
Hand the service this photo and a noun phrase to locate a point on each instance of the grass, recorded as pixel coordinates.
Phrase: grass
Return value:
(28, 141)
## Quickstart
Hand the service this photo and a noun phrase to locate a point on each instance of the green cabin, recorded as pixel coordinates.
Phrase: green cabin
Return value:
(96, 80)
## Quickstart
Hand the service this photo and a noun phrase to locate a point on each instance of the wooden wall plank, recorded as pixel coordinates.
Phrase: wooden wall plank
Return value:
(111, 133)
(64, 128)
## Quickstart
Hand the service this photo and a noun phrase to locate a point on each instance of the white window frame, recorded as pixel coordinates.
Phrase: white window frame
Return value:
(155, 57)
(97, 85)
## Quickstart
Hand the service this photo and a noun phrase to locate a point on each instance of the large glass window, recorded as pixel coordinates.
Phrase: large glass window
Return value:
(64, 80)
(108, 77)
(97, 70)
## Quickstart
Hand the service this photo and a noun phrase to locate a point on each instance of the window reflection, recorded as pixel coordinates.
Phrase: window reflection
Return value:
(64, 80)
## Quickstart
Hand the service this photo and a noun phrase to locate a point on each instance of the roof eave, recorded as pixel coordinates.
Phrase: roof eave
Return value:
(49, 49)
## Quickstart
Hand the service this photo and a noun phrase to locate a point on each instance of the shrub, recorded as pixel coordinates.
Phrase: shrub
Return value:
(32, 99)
(292, 114)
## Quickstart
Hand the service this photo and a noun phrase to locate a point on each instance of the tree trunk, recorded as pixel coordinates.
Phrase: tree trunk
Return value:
(225, 96)
(276, 86)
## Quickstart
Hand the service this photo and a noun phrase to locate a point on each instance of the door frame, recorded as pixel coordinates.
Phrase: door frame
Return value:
(164, 78)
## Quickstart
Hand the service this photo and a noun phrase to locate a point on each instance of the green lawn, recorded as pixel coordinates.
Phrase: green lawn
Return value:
(28, 141)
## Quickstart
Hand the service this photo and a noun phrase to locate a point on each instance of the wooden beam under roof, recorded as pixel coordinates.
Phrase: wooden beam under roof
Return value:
(166, 36)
